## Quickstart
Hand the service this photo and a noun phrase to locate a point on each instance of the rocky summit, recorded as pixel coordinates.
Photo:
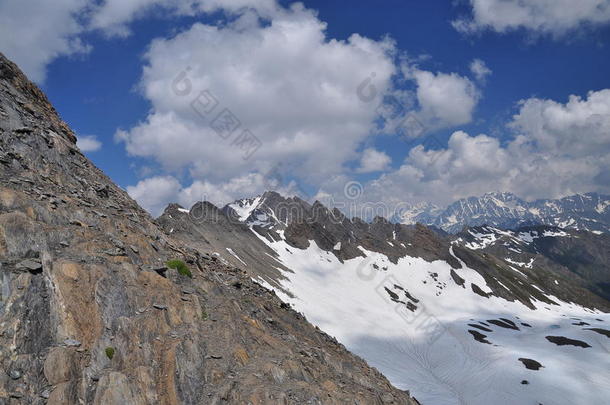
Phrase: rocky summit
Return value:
(99, 306)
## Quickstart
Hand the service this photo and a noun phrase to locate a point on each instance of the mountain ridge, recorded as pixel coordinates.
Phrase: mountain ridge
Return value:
(275, 217)
(590, 211)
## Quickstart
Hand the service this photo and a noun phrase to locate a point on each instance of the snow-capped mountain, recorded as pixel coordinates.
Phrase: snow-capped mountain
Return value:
(423, 213)
(484, 316)
(267, 210)
(589, 211)
(243, 208)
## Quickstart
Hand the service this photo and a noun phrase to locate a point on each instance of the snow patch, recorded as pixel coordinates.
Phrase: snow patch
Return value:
(521, 264)
(235, 255)
(429, 350)
(244, 208)
(601, 207)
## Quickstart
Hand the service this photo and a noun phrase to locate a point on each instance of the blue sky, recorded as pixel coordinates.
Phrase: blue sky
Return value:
(95, 79)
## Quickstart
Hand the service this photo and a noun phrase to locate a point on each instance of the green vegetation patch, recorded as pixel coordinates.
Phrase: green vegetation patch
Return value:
(110, 352)
(181, 267)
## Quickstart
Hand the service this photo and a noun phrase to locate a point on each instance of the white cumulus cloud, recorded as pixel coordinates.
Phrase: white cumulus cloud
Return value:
(557, 149)
(289, 85)
(445, 99)
(114, 16)
(154, 193)
(373, 160)
(88, 143)
(554, 17)
(309, 101)
(480, 70)
(33, 33)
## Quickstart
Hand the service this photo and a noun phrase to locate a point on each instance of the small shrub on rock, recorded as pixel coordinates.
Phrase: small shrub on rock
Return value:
(110, 352)
(181, 267)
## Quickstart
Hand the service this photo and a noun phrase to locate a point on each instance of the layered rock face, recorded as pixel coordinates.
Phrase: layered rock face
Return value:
(90, 314)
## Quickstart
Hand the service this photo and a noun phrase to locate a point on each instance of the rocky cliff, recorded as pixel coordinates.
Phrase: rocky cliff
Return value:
(90, 313)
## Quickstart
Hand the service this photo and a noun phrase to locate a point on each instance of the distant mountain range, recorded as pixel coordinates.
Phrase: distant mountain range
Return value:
(589, 211)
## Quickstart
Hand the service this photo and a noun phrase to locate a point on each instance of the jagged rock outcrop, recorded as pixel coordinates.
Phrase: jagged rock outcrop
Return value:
(90, 314)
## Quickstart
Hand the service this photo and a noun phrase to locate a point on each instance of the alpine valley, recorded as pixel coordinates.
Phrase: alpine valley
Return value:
(485, 315)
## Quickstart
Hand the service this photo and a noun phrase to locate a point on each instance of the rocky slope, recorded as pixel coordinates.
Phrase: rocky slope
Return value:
(589, 211)
(89, 313)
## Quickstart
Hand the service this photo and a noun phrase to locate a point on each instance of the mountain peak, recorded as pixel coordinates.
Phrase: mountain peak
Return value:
(501, 195)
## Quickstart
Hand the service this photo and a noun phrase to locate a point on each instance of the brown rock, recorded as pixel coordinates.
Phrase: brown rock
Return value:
(60, 365)
(115, 389)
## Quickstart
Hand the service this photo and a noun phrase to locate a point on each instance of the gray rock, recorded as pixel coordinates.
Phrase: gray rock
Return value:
(30, 265)
(72, 343)
(23, 130)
